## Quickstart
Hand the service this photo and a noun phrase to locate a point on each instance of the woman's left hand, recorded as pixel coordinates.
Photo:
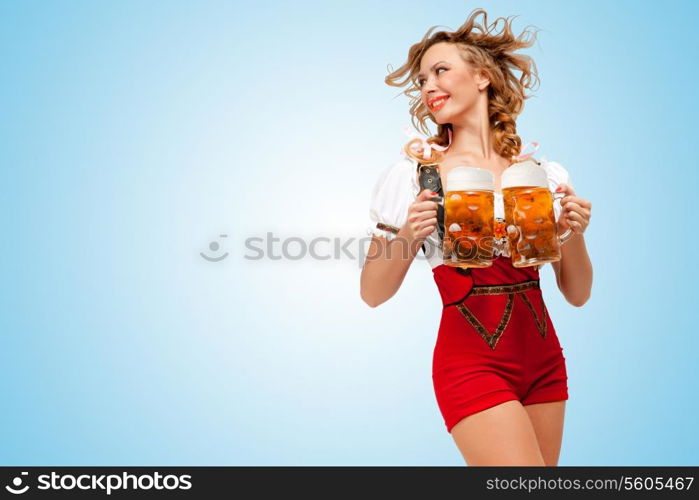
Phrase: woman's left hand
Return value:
(576, 211)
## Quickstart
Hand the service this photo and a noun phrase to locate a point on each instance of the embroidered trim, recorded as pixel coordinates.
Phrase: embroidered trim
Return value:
(503, 289)
(540, 325)
(387, 227)
(490, 338)
(510, 290)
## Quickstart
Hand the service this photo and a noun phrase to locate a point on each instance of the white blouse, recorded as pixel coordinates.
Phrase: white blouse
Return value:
(397, 187)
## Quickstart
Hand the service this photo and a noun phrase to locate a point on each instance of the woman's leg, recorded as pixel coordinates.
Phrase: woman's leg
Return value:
(547, 420)
(500, 435)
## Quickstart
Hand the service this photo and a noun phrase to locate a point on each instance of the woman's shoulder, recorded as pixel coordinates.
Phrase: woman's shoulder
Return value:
(400, 165)
(401, 172)
(393, 192)
(555, 172)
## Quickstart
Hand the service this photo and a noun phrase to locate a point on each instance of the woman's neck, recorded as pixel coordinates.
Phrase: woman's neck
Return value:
(472, 136)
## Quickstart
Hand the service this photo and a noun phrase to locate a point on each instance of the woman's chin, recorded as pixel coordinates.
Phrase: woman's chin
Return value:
(440, 120)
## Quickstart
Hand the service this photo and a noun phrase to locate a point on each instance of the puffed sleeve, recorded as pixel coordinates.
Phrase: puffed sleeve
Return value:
(557, 175)
(391, 197)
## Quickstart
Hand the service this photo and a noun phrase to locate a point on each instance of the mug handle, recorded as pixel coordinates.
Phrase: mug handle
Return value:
(440, 203)
(568, 232)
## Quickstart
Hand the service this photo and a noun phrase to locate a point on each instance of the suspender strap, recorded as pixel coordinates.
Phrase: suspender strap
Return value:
(428, 177)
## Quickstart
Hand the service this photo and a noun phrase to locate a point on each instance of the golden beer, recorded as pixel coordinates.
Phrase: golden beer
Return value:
(469, 218)
(529, 216)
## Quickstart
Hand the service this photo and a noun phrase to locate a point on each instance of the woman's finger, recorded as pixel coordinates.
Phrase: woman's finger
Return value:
(576, 199)
(427, 214)
(416, 215)
(424, 225)
(420, 206)
(564, 188)
(427, 222)
(575, 216)
(572, 206)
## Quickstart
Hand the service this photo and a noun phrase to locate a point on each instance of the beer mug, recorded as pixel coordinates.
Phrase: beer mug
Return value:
(531, 223)
(469, 218)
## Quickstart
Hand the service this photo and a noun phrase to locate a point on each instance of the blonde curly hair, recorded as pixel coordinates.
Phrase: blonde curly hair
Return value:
(484, 48)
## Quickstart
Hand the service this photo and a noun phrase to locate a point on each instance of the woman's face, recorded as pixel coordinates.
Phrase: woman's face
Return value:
(444, 73)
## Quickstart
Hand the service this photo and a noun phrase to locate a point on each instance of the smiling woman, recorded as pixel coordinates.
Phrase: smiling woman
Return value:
(455, 66)
(498, 369)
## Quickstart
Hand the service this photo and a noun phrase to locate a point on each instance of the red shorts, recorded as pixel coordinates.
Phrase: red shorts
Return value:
(496, 342)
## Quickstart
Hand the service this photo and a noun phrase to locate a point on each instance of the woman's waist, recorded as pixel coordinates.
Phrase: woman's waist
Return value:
(505, 288)
(501, 271)
(501, 278)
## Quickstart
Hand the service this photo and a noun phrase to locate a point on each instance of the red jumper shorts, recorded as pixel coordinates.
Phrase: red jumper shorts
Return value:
(495, 343)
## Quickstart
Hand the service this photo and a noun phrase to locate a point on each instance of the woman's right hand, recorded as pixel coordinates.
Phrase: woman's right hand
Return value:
(422, 216)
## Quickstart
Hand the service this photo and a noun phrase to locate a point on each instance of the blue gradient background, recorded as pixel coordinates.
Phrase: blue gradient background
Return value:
(133, 134)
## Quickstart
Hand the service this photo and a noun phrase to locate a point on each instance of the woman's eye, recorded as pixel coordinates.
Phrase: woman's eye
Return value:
(421, 81)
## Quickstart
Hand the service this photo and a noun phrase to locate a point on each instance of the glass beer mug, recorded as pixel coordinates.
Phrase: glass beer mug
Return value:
(468, 218)
(531, 223)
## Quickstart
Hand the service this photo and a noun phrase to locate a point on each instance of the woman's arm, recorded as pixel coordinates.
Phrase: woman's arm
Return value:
(386, 265)
(387, 261)
(574, 270)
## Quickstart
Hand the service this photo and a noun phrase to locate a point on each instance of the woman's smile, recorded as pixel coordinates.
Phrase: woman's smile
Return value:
(437, 103)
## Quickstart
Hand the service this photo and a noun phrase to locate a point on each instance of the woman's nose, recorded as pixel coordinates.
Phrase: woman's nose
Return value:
(430, 90)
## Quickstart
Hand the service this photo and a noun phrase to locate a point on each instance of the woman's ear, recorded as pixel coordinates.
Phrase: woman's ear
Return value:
(482, 79)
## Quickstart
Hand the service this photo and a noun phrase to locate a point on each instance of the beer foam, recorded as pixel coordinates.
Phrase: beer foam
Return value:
(526, 173)
(467, 178)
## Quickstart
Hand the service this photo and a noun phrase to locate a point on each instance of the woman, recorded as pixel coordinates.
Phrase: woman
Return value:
(498, 369)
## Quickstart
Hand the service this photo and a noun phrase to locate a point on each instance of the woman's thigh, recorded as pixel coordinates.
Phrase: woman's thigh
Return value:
(547, 420)
(500, 435)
